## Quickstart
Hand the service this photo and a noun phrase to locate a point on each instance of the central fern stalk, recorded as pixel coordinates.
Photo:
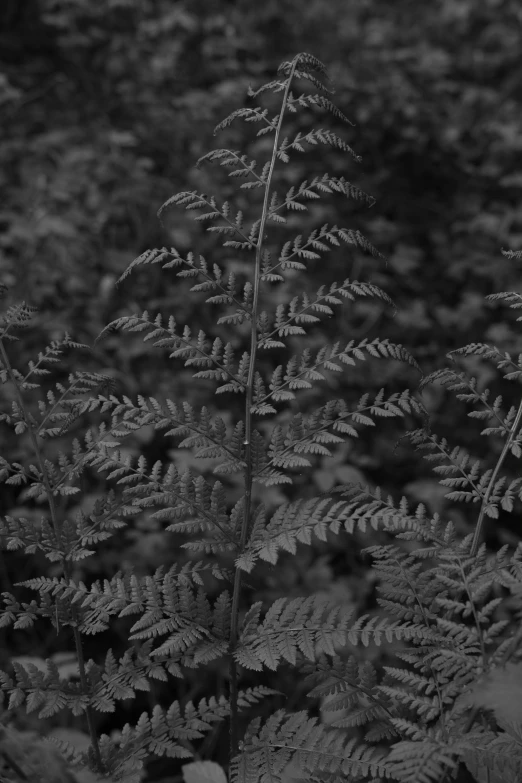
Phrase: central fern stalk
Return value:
(234, 712)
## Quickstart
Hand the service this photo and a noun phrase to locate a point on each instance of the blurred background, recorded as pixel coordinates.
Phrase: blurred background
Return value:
(106, 106)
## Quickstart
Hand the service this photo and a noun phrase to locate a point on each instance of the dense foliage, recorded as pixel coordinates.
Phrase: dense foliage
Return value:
(103, 105)
(105, 112)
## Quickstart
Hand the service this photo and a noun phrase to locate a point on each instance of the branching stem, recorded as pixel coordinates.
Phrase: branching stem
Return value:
(485, 500)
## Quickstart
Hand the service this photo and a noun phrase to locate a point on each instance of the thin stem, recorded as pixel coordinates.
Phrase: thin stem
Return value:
(89, 714)
(480, 630)
(485, 499)
(248, 480)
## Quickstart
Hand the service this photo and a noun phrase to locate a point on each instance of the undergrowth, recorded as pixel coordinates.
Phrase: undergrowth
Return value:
(442, 698)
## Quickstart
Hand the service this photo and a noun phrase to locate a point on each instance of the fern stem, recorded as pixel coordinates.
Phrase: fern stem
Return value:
(480, 631)
(65, 565)
(429, 665)
(248, 481)
(485, 500)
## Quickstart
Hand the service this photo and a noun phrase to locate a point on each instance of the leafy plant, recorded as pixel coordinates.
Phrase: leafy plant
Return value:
(447, 607)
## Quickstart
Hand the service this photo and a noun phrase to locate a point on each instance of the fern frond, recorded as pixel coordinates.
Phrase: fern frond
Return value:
(420, 762)
(289, 320)
(302, 624)
(294, 197)
(17, 316)
(305, 100)
(513, 299)
(215, 358)
(500, 755)
(301, 371)
(297, 522)
(350, 688)
(512, 253)
(298, 743)
(207, 435)
(163, 733)
(309, 436)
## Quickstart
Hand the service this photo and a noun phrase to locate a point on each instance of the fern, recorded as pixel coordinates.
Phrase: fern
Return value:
(444, 620)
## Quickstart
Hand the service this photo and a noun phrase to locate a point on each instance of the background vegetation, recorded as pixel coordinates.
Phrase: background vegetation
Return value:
(106, 105)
